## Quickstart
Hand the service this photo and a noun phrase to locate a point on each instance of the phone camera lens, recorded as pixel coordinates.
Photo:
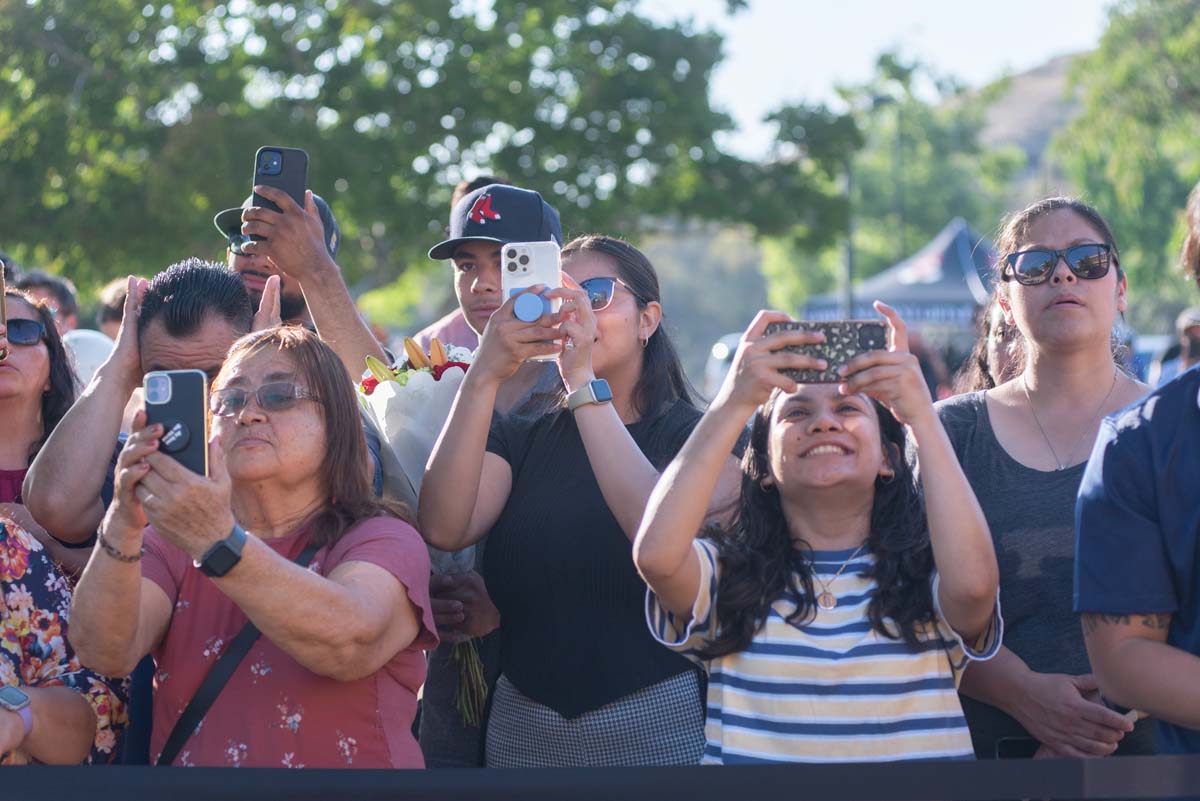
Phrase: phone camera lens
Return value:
(524, 260)
(512, 254)
(512, 266)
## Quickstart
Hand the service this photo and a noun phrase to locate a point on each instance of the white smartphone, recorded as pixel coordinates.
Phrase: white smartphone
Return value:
(525, 264)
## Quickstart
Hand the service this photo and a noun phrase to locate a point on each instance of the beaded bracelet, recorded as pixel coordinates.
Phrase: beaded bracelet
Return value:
(115, 554)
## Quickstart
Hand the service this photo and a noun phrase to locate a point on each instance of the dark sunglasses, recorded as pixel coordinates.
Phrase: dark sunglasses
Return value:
(23, 331)
(274, 397)
(237, 243)
(1033, 267)
(601, 290)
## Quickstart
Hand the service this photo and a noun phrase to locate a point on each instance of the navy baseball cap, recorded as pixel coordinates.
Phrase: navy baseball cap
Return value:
(501, 214)
(229, 222)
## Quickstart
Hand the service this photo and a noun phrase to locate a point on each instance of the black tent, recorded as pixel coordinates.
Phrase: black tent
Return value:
(940, 286)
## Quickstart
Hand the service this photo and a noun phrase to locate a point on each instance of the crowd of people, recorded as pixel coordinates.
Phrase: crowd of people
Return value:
(797, 572)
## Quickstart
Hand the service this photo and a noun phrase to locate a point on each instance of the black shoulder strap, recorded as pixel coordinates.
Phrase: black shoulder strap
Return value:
(218, 675)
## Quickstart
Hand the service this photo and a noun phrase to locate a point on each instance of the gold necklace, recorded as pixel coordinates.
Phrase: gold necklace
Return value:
(1060, 464)
(826, 599)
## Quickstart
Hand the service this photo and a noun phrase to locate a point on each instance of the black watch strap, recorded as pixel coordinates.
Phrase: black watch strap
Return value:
(220, 558)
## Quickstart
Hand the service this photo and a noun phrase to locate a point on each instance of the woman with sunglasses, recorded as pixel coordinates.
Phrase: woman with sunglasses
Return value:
(286, 534)
(37, 387)
(1023, 445)
(52, 709)
(560, 497)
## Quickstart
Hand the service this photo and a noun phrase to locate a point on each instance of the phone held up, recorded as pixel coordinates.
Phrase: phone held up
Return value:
(283, 168)
(178, 401)
(526, 264)
(844, 339)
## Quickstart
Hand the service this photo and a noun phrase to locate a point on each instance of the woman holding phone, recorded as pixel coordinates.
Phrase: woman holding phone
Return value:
(1024, 445)
(833, 613)
(560, 497)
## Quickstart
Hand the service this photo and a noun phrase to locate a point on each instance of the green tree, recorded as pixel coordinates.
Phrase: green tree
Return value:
(920, 164)
(1134, 151)
(125, 125)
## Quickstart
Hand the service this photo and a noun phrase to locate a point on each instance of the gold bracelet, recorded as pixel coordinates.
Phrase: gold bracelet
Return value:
(115, 554)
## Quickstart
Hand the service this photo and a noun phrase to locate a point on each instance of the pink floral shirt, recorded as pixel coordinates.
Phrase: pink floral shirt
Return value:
(34, 649)
(274, 712)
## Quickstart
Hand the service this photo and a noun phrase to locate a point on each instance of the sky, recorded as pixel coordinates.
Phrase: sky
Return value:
(791, 50)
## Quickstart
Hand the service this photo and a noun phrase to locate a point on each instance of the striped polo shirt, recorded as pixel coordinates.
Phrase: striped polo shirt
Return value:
(829, 689)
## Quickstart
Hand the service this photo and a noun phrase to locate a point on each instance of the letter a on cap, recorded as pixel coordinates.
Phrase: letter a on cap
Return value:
(482, 211)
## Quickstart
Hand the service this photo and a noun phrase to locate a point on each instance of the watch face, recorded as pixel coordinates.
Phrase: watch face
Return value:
(221, 560)
(602, 390)
(12, 698)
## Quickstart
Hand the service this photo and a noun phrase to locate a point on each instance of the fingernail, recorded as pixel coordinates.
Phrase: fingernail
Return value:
(822, 364)
(841, 370)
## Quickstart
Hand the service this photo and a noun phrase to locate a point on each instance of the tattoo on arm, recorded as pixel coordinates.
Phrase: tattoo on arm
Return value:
(1155, 621)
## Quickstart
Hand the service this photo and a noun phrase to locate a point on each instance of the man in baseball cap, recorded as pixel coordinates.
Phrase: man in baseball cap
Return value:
(256, 268)
(480, 224)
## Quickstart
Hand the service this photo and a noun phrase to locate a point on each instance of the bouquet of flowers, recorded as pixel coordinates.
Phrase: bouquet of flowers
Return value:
(410, 402)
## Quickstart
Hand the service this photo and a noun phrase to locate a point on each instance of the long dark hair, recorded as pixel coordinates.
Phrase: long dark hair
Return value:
(662, 381)
(349, 498)
(976, 371)
(56, 402)
(760, 563)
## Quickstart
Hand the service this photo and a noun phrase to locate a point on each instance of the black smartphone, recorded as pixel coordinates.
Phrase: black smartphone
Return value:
(178, 400)
(1016, 747)
(283, 168)
(844, 339)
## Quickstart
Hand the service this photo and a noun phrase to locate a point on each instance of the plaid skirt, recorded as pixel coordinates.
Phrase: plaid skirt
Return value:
(662, 724)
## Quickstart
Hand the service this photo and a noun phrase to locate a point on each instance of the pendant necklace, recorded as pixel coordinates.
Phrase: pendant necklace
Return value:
(1059, 464)
(826, 599)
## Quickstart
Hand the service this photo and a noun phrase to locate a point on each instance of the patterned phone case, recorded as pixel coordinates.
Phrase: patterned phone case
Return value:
(844, 340)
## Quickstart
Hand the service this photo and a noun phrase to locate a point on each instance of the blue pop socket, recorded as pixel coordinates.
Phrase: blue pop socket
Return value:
(529, 307)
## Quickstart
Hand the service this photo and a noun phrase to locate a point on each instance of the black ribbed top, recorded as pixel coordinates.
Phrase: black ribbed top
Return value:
(560, 569)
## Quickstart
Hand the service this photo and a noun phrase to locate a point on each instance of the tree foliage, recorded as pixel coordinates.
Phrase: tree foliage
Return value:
(1134, 152)
(126, 124)
(920, 164)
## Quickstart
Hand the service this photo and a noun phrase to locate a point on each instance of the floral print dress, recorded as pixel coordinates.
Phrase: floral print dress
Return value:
(34, 651)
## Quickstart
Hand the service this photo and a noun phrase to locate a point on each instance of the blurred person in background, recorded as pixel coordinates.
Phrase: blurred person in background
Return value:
(112, 307)
(996, 356)
(335, 580)
(58, 293)
(11, 271)
(1023, 446)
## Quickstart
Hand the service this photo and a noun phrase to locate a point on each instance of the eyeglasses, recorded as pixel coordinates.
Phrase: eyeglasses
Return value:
(601, 290)
(275, 397)
(23, 331)
(1033, 267)
(238, 241)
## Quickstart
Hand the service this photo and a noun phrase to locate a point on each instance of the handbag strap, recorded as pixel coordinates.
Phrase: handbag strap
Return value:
(218, 676)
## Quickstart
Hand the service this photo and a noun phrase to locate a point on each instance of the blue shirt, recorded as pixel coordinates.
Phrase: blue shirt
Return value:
(1137, 521)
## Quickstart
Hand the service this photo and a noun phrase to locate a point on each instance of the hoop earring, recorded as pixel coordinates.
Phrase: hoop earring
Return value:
(645, 341)
(887, 479)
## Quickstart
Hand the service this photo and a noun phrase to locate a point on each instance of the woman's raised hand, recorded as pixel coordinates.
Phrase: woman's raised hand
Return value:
(758, 366)
(578, 332)
(509, 342)
(893, 376)
(191, 511)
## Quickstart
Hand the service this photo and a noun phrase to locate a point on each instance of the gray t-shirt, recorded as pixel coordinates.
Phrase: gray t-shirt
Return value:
(1031, 514)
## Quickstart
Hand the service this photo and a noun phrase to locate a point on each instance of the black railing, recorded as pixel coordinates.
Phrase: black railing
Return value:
(1126, 777)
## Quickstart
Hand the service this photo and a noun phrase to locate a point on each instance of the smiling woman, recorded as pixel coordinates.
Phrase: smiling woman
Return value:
(1024, 445)
(833, 616)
